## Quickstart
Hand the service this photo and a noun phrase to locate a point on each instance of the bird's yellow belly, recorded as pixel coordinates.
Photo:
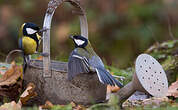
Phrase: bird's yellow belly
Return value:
(29, 45)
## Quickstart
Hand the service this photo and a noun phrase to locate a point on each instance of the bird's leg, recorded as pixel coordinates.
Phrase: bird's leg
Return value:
(44, 54)
(26, 63)
(28, 58)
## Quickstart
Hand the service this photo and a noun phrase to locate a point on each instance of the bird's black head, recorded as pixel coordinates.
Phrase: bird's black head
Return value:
(30, 29)
(79, 41)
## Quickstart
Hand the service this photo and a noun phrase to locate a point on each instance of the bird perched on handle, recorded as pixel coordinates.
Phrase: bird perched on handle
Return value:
(29, 40)
(83, 59)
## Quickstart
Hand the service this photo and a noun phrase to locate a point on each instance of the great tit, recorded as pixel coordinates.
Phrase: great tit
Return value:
(83, 59)
(29, 40)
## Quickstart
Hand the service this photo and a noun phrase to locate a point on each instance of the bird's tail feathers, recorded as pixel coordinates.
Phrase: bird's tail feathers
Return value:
(106, 78)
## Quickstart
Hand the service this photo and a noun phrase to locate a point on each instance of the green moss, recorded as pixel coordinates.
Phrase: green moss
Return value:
(165, 54)
(59, 107)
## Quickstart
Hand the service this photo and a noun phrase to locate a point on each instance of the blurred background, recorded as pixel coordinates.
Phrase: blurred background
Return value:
(119, 30)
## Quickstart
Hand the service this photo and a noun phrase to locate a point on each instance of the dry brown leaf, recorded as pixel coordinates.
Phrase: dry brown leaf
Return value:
(73, 104)
(27, 94)
(11, 75)
(11, 81)
(112, 89)
(173, 90)
(47, 105)
(79, 107)
(10, 106)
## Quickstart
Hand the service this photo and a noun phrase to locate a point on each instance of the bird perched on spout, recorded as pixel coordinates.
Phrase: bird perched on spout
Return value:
(29, 40)
(83, 59)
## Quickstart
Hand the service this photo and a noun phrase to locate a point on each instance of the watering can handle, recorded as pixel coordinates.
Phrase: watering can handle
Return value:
(52, 5)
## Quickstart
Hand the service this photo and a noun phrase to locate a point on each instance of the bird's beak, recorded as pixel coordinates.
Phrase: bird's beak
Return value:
(42, 30)
(71, 36)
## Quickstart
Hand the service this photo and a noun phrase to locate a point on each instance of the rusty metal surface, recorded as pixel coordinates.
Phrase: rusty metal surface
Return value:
(151, 75)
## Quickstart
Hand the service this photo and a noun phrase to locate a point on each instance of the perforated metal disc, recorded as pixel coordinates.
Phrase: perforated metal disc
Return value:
(151, 75)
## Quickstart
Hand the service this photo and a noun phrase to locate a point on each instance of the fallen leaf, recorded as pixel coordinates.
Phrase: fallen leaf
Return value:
(173, 90)
(27, 94)
(47, 105)
(73, 104)
(79, 107)
(11, 80)
(10, 106)
(113, 88)
(11, 75)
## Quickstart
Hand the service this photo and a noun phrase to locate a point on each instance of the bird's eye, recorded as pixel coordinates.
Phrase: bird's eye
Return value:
(30, 31)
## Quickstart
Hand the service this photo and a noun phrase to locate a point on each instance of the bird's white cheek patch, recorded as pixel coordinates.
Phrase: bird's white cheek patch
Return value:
(30, 31)
(79, 42)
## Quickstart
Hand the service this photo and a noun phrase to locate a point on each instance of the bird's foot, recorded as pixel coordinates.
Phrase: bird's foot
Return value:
(44, 54)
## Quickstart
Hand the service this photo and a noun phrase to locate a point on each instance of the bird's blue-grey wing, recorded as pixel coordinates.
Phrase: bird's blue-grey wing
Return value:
(107, 77)
(20, 43)
(104, 76)
(77, 64)
(95, 61)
